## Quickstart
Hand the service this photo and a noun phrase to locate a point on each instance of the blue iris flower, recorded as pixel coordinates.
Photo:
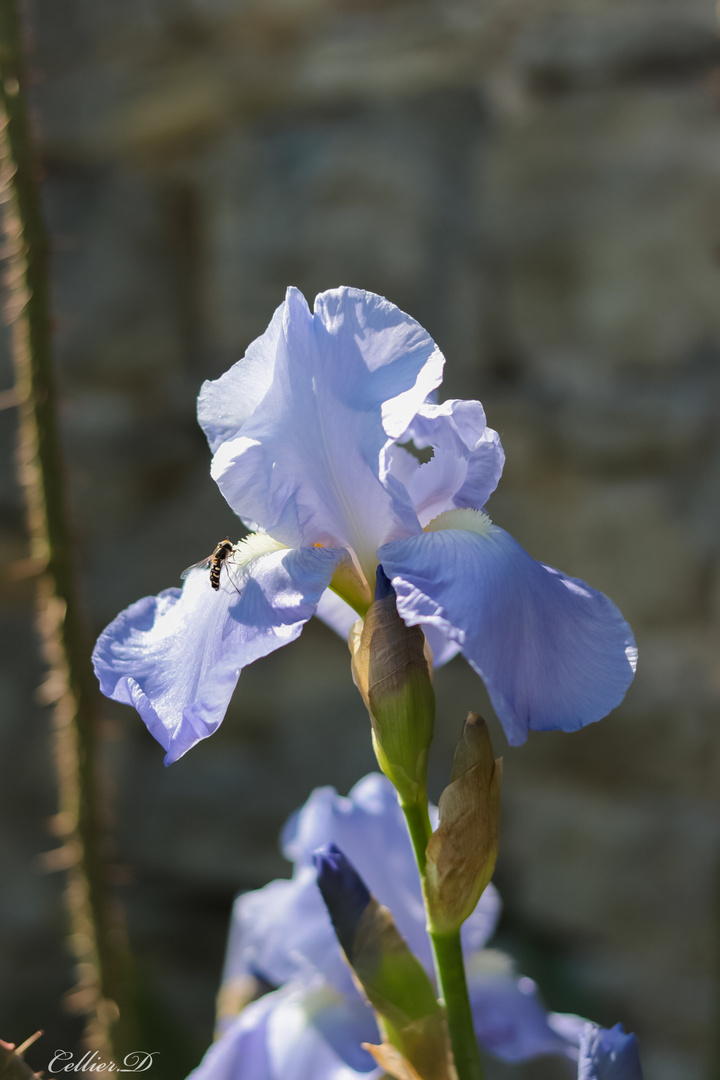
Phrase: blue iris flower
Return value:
(603, 1054)
(608, 1055)
(312, 1025)
(309, 434)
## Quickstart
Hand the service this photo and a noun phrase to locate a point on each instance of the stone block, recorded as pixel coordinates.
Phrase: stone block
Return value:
(602, 214)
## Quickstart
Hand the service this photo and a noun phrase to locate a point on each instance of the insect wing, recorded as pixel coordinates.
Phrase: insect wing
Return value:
(204, 564)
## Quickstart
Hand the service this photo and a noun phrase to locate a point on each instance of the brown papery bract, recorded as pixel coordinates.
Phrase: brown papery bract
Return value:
(462, 851)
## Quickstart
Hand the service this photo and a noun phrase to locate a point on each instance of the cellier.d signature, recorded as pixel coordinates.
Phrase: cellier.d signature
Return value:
(136, 1061)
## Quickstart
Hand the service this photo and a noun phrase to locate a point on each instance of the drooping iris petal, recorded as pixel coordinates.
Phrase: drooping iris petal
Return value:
(509, 1017)
(177, 657)
(608, 1054)
(467, 463)
(308, 462)
(553, 652)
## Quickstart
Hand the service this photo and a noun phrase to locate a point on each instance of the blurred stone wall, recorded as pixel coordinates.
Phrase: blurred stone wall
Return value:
(539, 184)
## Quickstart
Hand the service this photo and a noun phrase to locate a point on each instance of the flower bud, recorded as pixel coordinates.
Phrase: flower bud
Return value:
(461, 853)
(608, 1054)
(390, 975)
(391, 668)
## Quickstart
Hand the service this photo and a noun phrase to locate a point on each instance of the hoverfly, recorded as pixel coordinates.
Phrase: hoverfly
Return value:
(214, 562)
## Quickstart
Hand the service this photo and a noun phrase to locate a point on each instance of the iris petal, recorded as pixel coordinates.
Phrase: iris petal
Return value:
(294, 1034)
(345, 1021)
(272, 927)
(369, 816)
(467, 463)
(283, 932)
(242, 1051)
(433, 486)
(337, 387)
(509, 1017)
(442, 647)
(318, 1021)
(336, 613)
(297, 1049)
(553, 652)
(177, 657)
(225, 404)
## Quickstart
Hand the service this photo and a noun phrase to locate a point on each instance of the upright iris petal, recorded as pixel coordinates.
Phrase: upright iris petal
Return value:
(338, 386)
(467, 462)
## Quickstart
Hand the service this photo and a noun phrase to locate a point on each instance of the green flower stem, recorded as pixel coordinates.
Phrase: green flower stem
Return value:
(420, 829)
(449, 963)
(450, 968)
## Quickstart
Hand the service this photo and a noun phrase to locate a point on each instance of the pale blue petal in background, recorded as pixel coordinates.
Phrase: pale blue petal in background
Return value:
(292, 1034)
(283, 935)
(365, 822)
(346, 1023)
(509, 1016)
(281, 932)
(242, 1052)
(298, 1051)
